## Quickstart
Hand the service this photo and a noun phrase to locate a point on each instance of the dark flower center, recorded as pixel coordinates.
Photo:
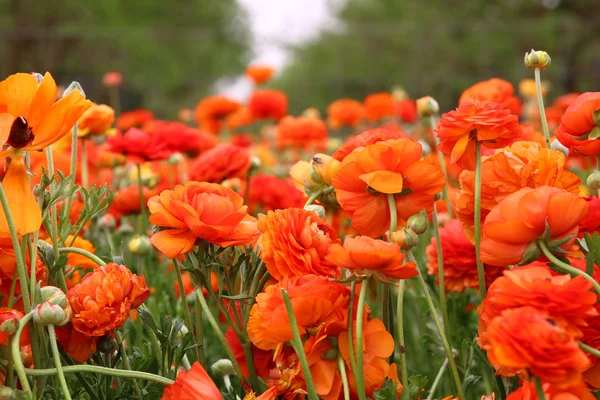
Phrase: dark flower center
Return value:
(21, 134)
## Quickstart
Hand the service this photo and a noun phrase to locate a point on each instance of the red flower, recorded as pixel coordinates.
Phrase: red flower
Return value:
(259, 73)
(224, 161)
(345, 112)
(379, 106)
(591, 222)
(268, 104)
(406, 110)
(268, 192)
(133, 119)
(139, 146)
(193, 384)
(78, 346)
(578, 121)
(180, 138)
(9, 322)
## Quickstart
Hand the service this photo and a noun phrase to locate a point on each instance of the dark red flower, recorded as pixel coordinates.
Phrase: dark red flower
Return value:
(224, 161)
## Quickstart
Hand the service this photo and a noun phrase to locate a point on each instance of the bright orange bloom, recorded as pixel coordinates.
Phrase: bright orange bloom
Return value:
(474, 120)
(395, 167)
(379, 106)
(301, 133)
(365, 256)
(8, 266)
(6, 315)
(77, 345)
(365, 138)
(326, 376)
(270, 394)
(294, 242)
(193, 384)
(211, 111)
(268, 193)
(577, 391)
(97, 120)
(112, 79)
(239, 119)
(30, 120)
(127, 200)
(268, 104)
(199, 211)
(224, 161)
(555, 112)
(523, 164)
(259, 73)
(104, 298)
(577, 123)
(317, 302)
(496, 90)
(134, 119)
(530, 339)
(345, 112)
(526, 216)
(460, 268)
(76, 262)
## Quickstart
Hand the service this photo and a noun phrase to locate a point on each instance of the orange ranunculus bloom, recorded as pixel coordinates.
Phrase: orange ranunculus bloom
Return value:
(211, 111)
(460, 268)
(239, 119)
(112, 79)
(268, 193)
(317, 303)
(526, 216)
(555, 112)
(395, 167)
(345, 112)
(365, 138)
(324, 370)
(523, 164)
(76, 263)
(591, 223)
(577, 391)
(496, 90)
(578, 121)
(30, 120)
(199, 210)
(97, 120)
(133, 119)
(127, 200)
(224, 161)
(294, 242)
(77, 345)
(8, 266)
(193, 384)
(268, 104)
(379, 106)
(301, 133)
(365, 256)
(7, 314)
(104, 298)
(474, 120)
(529, 339)
(270, 394)
(259, 73)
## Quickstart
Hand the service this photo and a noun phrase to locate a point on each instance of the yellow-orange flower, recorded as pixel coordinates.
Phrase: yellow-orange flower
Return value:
(301, 133)
(97, 120)
(345, 112)
(210, 111)
(577, 391)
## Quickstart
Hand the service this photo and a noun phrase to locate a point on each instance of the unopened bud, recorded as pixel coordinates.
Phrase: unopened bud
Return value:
(427, 106)
(176, 158)
(311, 113)
(107, 221)
(139, 245)
(322, 168)
(418, 222)
(593, 181)
(73, 86)
(107, 345)
(125, 229)
(9, 326)
(405, 237)
(54, 296)
(7, 393)
(399, 94)
(51, 314)
(537, 59)
(222, 368)
(255, 162)
(317, 209)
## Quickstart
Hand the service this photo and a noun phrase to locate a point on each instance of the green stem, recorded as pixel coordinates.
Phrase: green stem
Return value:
(142, 202)
(186, 311)
(32, 265)
(393, 212)
(73, 166)
(57, 363)
(589, 349)
(359, 377)
(540, 101)
(566, 267)
(312, 198)
(400, 330)
(442, 161)
(199, 331)
(13, 286)
(342, 369)
(477, 217)
(84, 165)
(10, 368)
(441, 277)
(249, 355)
(156, 348)
(55, 247)
(82, 252)
(539, 390)
(125, 359)
(18, 363)
(102, 371)
(351, 351)
(438, 379)
(299, 348)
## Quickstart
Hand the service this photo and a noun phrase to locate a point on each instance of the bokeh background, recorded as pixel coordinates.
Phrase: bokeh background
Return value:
(172, 53)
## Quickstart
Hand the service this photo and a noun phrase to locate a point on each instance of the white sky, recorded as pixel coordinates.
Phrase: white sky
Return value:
(276, 24)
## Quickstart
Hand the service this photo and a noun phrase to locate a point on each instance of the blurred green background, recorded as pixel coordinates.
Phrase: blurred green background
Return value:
(171, 53)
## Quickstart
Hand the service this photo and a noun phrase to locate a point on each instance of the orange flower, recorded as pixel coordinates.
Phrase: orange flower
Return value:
(268, 192)
(224, 161)
(97, 120)
(474, 120)
(365, 138)
(199, 211)
(317, 302)
(529, 215)
(30, 120)
(193, 384)
(496, 90)
(239, 119)
(104, 298)
(316, 175)
(77, 345)
(524, 164)
(460, 268)
(76, 262)
(139, 146)
(127, 200)
(259, 73)
(180, 138)
(134, 119)
(189, 287)
(294, 242)
(577, 391)
(379, 106)
(365, 256)
(406, 110)
(555, 112)
(9, 322)
(390, 167)
(112, 79)
(577, 123)
(210, 111)
(530, 339)
(323, 369)
(345, 112)
(8, 265)
(591, 223)
(301, 133)
(270, 394)
(268, 104)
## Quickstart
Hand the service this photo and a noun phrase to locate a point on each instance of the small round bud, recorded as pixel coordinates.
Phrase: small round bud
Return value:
(405, 237)
(125, 229)
(140, 245)
(399, 94)
(51, 314)
(7, 393)
(418, 223)
(537, 59)
(107, 221)
(317, 209)
(107, 345)
(311, 113)
(54, 296)
(593, 181)
(175, 158)
(222, 368)
(255, 162)
(9, 326)
(112, 79)
(427, 106)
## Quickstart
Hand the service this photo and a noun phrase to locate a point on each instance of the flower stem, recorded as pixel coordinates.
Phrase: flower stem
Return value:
(540, 101)
(477, 217)
(589, 349)
(359, 377)
(82, 252)
(126, 364)
(400, 330)
(10, 367)
(56, 357)
(186, 311)
(199, 331)
(393, 212)
(445, 196)
(342, 369)
(566, 267)
(438, 379)
(73, 166)
(539, 390)
(32, 265)
(102, 371)
(351, 351)
(442, 286)
(14, 348)
(299, 348)
(312, 198)
(84, 165)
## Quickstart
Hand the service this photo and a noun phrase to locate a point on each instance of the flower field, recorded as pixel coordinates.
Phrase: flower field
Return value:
(379, 249)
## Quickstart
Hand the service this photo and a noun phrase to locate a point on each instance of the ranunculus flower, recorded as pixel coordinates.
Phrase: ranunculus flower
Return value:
(127, 200)
(133, 119)
(345, 112)
(365, 138)
(496, 90)
(9, 322)
(193, 384)
(181, 138)
(591, 222)
(199, 210)
(259, 73)
(577, 391)
(139, 146)
(379, 106)
(8, 266)
(406, 110)
(77, 345)
(582, 116)
(225, 161)
(268, 104)
(268, 193)
(241, 118)
(294, 242)
(301, 133)
(211, 111)
(97, 120)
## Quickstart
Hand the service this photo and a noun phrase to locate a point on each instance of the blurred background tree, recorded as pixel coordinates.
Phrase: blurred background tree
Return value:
(169, 52)
(439, 48)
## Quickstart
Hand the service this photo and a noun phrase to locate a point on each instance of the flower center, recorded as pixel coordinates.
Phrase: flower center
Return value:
(21, 134)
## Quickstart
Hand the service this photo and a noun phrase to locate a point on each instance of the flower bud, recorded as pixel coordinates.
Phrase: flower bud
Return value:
(175, 158)
(107, 221)
(593, 181)
(255, 162)
(54, 296)
(537, 59)
(51, 314)
(399, 94)
(405, 237)
(112, 79)
(317, 209)
(427, 106)
(140, 245)
(107, 345)
(7, 393)
(125, 229)
(9, 326)
(73, 86)
(323, 167)
(418, 223)
(222, 368)
(311, 113)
